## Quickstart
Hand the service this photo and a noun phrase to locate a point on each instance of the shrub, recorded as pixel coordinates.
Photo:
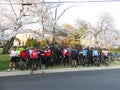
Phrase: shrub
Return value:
(32, 42)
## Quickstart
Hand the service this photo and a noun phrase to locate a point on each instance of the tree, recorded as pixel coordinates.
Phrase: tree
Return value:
(18, 16)
(15, 22)
(55, 17)
(70, 29)
(81, 30)
(104, 26)
(104, 32)
(21, 15)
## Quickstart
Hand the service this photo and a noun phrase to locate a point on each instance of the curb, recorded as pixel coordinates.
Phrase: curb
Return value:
(61, 70)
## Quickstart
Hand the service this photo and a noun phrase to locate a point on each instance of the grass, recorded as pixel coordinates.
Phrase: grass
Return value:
(5, 59)
(115, 62)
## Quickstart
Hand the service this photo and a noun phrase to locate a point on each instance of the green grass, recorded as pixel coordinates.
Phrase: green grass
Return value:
(116, 62)
(4, 61)
(0, 50)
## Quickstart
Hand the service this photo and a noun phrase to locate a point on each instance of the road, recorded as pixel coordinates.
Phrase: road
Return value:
(82, 80)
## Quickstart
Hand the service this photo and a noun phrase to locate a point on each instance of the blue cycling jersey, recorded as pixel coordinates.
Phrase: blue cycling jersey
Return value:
(95, 53)
(84, 52)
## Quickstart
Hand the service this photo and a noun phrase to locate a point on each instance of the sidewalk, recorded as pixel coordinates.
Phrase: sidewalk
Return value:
(45, 71)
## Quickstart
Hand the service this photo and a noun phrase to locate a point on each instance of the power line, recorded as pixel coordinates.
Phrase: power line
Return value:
(92, 1)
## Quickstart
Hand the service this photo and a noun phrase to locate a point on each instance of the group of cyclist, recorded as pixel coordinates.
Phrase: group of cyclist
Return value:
(51, 56)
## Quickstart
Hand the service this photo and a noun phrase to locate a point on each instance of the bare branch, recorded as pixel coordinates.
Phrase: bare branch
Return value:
(64, 12)
(12, 8)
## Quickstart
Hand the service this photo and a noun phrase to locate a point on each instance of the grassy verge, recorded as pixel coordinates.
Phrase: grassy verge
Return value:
(115, 62)
(4, 61)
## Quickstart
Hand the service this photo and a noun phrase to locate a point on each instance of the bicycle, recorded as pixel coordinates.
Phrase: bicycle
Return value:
(23, 63)
(96, 60)
(105, 61)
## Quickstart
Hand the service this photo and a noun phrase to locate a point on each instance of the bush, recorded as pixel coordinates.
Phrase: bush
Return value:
(76, 45)
(43, 43)
(32, 42)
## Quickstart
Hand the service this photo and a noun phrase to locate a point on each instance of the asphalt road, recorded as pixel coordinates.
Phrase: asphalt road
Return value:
(83, 80)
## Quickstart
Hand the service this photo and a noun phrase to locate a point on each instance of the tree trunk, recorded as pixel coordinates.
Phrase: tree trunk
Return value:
(8, 45)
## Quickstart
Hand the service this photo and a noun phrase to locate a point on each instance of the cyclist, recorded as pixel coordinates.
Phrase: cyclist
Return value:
(34, 58)
(48, 54)
(65, 54)
(81, 58)
(95, 55)
(85, 57)
(24, 56)
(105, 56)
(74, 57)
(90, 57)
(14, 56)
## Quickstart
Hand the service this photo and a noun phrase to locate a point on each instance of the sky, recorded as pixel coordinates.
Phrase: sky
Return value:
(90, 11)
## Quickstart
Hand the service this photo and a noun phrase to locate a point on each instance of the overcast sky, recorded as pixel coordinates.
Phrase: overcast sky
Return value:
(90, 11)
